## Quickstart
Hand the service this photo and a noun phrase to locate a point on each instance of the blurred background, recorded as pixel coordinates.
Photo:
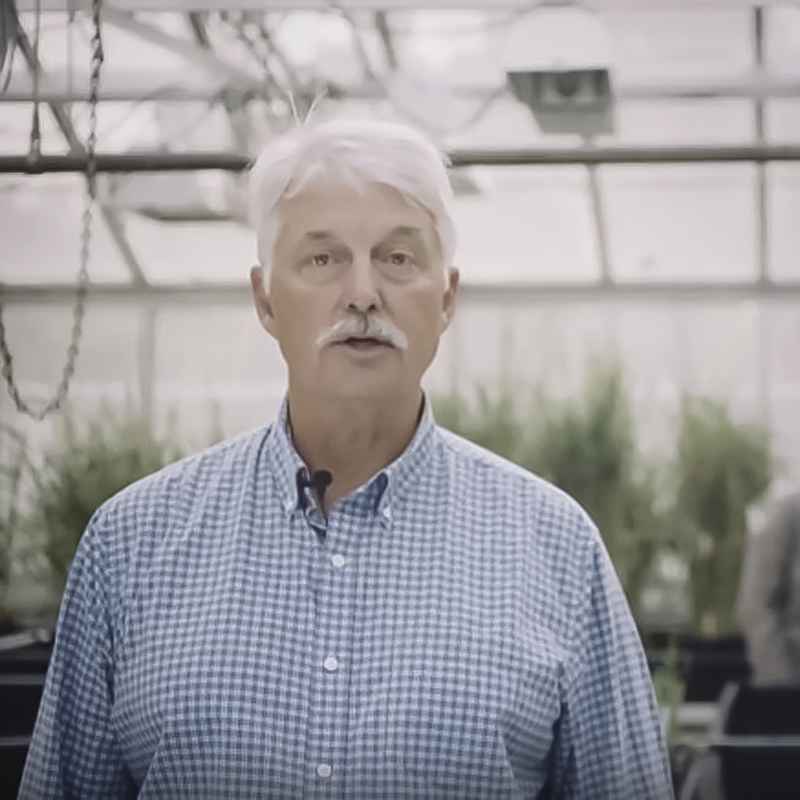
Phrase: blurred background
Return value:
(627, 180)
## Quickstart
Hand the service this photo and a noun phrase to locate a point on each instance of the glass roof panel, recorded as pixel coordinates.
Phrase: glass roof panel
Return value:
(782, 39)
(186, 252)
(15, 130)
(64, 46)
(663, 222)
(692, 43)
(687, 222)
(40, 228)
(527, 226)
(783, 120)
(784, 217)
(683, 122)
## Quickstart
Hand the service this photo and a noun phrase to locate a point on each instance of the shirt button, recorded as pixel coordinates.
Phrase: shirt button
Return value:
(331, 663)
(338, 560)
(324, 770)
(387, 512)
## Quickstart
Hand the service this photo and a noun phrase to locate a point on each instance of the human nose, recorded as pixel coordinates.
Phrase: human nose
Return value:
(363, 293)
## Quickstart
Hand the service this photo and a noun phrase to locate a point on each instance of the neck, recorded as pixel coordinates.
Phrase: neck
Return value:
(352, 439)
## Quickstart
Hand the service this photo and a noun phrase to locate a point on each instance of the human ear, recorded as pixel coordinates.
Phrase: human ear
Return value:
(261, 299)
(449, 297)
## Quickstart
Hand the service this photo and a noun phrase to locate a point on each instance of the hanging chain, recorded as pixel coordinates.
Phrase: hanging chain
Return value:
(35, 151)
(82, 286)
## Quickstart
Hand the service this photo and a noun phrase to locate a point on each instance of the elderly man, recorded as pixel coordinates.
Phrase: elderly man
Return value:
(351, 603)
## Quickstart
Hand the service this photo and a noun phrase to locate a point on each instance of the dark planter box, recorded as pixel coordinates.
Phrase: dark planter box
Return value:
(706, 665)
(22, 675)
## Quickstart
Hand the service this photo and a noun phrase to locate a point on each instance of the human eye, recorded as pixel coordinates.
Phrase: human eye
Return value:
(320, 259)
(397, 259)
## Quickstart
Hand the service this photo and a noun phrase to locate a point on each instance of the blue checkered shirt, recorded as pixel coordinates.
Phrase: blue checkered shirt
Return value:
(455, 629)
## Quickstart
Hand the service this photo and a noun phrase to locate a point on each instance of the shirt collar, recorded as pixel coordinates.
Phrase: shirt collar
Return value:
(390, 482)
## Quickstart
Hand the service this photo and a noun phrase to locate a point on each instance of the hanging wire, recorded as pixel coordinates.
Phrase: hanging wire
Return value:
(9, 24)
(82, 286)
(70, 47)
(35, 150)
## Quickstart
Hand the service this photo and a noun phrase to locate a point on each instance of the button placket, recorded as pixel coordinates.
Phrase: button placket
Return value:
(328, 719)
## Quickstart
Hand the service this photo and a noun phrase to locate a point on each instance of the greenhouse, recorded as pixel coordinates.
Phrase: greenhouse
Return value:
(626, 200)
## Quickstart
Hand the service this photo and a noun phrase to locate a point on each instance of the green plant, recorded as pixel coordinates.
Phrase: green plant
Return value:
(89, 462)
(493, 423)
(722, 467)
(587, 446)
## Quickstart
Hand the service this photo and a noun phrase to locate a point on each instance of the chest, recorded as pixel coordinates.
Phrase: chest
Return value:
(391, 665)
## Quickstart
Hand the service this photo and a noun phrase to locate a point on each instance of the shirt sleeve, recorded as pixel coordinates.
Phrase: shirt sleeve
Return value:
(610, 743)
(73, 752)
(765, 593)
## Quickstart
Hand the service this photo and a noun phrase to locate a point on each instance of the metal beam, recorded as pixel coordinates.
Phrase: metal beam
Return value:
(117, 231)
(198, 25)
(377, 5)
(134, 87)
(511, 293)
(233, 162)
(762, 223)
(237, 121)
(64, 123)
(192, 53)
(598, 215)
(382, 24)
(146, 346)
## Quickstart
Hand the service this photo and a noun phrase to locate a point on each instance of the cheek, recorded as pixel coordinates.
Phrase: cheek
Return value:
(423, 326)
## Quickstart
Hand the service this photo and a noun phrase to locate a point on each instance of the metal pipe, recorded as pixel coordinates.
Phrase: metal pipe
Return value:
(133, 88)
(506, 294)
(233, 162)
(363, 5)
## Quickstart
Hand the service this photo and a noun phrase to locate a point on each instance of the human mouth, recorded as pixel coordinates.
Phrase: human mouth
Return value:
(364, 342)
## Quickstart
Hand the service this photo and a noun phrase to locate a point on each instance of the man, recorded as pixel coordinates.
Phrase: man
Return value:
(352, 603)
(769, 602)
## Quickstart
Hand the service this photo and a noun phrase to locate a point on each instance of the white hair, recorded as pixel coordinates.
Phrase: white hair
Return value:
(366, 150)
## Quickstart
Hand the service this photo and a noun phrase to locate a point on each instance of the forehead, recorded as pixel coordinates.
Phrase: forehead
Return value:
(341, 207)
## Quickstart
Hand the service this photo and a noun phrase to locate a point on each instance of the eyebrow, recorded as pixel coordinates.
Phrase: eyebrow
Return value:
(405, 230)
(316, 236)
(400, 230)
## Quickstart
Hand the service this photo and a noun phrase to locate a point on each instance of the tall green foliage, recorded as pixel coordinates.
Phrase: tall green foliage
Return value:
(88, 463)
(722, 467)
(493, 423)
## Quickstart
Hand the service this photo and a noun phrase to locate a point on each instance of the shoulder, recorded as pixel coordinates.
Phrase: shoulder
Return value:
(491, 474)
(131, 525)
(185, 480)
(551, 524)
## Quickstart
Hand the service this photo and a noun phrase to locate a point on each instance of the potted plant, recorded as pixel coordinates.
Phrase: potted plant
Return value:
(722, 467)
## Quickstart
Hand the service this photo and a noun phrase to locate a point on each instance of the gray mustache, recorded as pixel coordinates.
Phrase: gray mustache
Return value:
(367, 325)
